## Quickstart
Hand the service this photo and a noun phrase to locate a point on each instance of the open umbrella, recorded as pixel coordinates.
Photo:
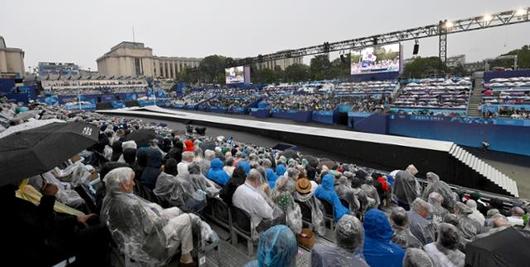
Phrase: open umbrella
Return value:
(505, 248)
(290, 154)
(26, 126)
(34, 151)
(142, 136)
(313, 162)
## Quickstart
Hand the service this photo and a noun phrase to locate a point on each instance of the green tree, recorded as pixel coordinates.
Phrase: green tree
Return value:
(424, 67)
(265, 75)
(341, 68)
(296, 73)
(320, 67)
(212, 69)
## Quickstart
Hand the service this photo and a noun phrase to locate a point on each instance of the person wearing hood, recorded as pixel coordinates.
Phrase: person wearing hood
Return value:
(349, 233)
(438, 212)
(468, 227)
(175, 152)
(277, 247)
(402, 235)
(420, 224)
(281, 168)
(200, 182)
(440, 187)
(346, 192)
(326, 192)
(143, 230)
(416, 257)
(405, 188)
(269, 173)
(444, 252)
(475, 215)
(379, 250)
(153, 161)
(217, 174)
(245, 165)
(189, 146)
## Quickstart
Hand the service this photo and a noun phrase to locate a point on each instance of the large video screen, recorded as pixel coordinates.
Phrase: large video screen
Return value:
(378, 59)
(235, 75)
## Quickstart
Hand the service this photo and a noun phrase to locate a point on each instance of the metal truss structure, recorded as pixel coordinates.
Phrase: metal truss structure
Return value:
(441, 29)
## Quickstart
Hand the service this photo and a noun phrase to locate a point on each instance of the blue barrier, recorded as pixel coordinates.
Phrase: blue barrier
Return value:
(325, 117)
(368, 122)
(260, 112)
(7, 85)
(295, 115)
(502, 135)
(435, 111)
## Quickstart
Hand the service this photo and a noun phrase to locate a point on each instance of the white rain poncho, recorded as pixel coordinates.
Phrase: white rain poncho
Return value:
(439, 186)
(65, 195)
(317, 209)
(415, 257)
(438, 212)
(405, 188)
(200, 182)
(346, 192)
(468, 227)
(143, 230)
(444, 252)
(283, 198)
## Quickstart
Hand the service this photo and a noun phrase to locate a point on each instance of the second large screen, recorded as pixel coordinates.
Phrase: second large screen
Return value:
(235, 75)
(385, 58)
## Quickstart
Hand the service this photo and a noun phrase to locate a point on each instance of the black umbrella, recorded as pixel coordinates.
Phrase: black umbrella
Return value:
(329, 163)
(505, 248)
(290, 154)
(208, 145)
(34, 151)
(142, 136)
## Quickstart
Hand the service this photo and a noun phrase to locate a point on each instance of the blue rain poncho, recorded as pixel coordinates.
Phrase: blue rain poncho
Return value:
(271, 177)
(281, 169)
(216, 172)
(326, 192)
(277, 248)
(245, 165)
(379, 250)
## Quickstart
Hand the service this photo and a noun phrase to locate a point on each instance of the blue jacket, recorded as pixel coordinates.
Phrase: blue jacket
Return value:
(280, 169)
(326, 191)
(216, 172)
(271, 177)
(379, 250)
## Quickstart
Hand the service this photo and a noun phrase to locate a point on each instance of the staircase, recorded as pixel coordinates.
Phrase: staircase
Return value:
(476, 96)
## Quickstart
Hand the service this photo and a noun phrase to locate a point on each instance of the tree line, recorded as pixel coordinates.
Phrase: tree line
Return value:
(211, 69)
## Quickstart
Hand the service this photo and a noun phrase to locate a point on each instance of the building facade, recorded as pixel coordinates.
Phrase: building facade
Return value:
(11, 60)
(58, 68)
(132, 59)
(280, 63)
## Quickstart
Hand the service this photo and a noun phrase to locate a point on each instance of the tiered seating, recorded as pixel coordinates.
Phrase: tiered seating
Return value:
(365, 96)
(507, 97)
(80, 85)
(432, 94)
(232, 98)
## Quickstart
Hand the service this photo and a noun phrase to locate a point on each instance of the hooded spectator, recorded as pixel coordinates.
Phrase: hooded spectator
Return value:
(475, 215)
(217, 174)
(349, 233)
(436, 185)
(405, 188)
(402, 235)
(326, 192)
(277, 247)
(416, 257)
(438, 212)
(420, 226)
(379, 250)
(444, 252)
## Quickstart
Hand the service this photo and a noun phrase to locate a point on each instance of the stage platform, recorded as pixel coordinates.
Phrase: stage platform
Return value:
(454, 164)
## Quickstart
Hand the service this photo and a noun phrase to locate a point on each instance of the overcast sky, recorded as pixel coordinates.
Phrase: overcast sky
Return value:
(81, 31)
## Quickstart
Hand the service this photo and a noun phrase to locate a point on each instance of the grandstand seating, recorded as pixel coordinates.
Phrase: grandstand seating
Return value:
(509, 97)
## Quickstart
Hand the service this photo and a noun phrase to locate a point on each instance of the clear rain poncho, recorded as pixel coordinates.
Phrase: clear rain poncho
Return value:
(444, 252)
(317, 209)
(277, 247)
(468, 227)
(346, 192)
(143, 230)
(439, 186)
(405, 188)
(416, 257)
(283, 197)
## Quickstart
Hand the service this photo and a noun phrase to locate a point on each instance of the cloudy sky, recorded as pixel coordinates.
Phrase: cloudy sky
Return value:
(81, 31)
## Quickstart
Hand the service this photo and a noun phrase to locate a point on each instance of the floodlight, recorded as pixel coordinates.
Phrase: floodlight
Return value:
(487, 18)
(520, 12)
(448, 24)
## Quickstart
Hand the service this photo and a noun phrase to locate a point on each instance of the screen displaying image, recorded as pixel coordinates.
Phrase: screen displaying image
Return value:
(235, 75)
(385, 58)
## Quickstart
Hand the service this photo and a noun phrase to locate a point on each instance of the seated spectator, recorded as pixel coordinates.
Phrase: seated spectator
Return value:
(153, 161)
(152, 235)
(468, 227)
(199, 181)
(326, 192)
(476, 215)
(498, 223)
(238, 178)
(277, 247)
(216, 172)
(346, 192)
(444, 252)
(247, 198)
(416, 257)
(421, 227)
(379, 250)
(517, 216)
(187, 159)
(282, 195)
(271, 175)
(229, 166)
(440, 187)
(438, 212)
(38, 236)
(349, 233)
(305, 193)
(402, 235)
(204, 163)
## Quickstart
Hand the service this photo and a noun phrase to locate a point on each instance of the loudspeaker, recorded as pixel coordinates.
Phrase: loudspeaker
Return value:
(416, 49)
(200, 130)
(342, 59)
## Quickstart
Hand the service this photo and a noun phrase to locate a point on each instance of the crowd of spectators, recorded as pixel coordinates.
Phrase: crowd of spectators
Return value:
(147, 196)
(506, 97)
(439, 93)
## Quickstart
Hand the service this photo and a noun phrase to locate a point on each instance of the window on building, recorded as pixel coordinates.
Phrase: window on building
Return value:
(137, 67)
(160, 69)
(171, 70)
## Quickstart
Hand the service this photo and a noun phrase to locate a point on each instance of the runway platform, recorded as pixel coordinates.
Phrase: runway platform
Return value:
(454, 164)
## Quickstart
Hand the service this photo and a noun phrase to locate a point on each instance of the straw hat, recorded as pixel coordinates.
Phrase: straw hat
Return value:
(303, 186)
